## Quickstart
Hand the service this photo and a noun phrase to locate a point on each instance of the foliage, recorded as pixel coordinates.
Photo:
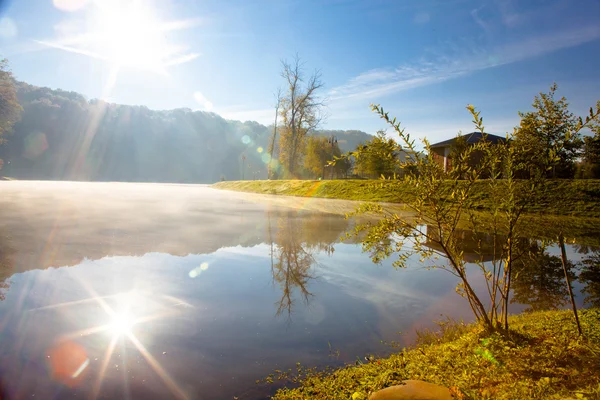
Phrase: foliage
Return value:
(590, 165)
(443, 199)
(300, 110)
(457, 151)
(10, 110)
(319, 151)
(549, 136)
(541, 358)
(378, 157)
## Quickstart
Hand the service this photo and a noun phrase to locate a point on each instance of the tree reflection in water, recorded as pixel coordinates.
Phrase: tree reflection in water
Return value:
(590, 278)
(295, 237)
(539, 280)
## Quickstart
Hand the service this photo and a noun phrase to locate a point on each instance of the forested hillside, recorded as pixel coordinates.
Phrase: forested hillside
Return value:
(61, 135)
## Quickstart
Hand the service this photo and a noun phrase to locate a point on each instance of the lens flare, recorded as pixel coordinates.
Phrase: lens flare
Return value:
(121, 324)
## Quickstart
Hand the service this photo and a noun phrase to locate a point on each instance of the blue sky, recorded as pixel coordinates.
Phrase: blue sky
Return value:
(424, 61)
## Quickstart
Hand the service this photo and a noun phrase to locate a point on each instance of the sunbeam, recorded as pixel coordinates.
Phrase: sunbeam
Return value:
(160, 371)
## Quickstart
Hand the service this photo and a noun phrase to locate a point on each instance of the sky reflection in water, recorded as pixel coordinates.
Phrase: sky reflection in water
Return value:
(209, 325)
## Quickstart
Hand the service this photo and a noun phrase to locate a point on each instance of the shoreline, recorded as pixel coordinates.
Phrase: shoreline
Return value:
(542, 357)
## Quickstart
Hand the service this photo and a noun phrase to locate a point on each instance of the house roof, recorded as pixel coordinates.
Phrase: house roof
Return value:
(472, 138)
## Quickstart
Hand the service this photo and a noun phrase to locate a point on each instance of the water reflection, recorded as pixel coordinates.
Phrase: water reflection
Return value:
(292, 252)
(539, 280)
(292, 266)
(207, 323)
(475, 246)
(590, 278)
(6, 252)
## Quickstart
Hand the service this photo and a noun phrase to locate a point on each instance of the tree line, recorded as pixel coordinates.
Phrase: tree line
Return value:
(56, 134)
(546, 135)
(60, 135)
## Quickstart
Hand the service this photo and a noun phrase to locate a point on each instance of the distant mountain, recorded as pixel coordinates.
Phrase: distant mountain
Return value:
(62, 136)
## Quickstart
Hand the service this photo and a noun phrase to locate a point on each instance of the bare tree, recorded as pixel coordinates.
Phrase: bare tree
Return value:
(300, 110)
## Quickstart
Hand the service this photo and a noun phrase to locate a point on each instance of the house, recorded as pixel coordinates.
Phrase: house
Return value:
(441, 151)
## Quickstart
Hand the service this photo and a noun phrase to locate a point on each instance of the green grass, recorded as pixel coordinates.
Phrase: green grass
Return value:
(541, 358)
(560, 197)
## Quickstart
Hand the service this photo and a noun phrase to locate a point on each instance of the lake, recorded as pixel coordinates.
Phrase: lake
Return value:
(116, 290)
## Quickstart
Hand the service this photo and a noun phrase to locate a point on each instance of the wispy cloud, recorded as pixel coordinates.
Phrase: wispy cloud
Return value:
(181, 59)
(70, 49)
(508, 14)
(384, 81)
(478, 20)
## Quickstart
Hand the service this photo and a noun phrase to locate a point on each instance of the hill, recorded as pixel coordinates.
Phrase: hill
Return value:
(63, 136)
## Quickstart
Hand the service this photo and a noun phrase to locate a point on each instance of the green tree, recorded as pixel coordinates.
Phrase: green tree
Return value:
(441, 200)
(546, 136)
(378, 157)
(300, 111)
(319, 152)
(10, 110)
(590, 165)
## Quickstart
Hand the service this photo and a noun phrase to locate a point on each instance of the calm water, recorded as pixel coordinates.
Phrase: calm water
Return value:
(207, 325)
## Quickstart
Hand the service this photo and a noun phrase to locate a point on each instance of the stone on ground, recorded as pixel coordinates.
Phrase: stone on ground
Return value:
(413, 390)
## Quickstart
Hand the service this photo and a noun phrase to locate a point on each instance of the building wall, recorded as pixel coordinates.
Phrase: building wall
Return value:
(441, 153)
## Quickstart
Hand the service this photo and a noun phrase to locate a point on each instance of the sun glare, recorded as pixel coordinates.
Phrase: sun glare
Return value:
(129, 34)
(121, 324)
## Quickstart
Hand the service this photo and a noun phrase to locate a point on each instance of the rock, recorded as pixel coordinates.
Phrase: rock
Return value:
(413, 390)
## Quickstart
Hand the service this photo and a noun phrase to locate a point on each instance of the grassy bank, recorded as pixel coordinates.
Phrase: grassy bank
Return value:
(542, 358)
(561, 197)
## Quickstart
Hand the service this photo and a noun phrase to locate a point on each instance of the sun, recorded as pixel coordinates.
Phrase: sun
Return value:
(124, 33)
(121, 324)
(129, 34)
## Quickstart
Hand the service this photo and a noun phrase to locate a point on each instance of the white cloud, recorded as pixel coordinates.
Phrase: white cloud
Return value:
(374, 84)
(206, 104)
